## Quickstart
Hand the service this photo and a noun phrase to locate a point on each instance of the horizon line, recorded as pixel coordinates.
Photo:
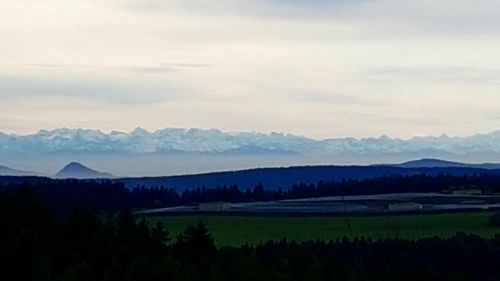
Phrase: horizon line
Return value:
(264, 132)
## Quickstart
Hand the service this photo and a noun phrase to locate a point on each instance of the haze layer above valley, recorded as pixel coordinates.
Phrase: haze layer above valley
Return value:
(180, 151)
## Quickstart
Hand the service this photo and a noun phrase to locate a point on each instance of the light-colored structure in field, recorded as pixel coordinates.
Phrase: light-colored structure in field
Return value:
(404, 207)
(468, 192)
(214, 207)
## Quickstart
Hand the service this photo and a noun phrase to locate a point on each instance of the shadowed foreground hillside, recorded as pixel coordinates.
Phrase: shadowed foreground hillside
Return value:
(33, 246)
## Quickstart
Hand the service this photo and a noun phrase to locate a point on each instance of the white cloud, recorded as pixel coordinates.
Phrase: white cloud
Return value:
(318, 68)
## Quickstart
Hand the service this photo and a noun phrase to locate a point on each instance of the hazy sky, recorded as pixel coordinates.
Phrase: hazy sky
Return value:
(311, 67)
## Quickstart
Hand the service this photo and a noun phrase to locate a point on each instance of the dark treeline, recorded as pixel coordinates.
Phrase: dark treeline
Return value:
(62, 196)
(84, 247)
(107, 196)
(154, 197)
(380, 185)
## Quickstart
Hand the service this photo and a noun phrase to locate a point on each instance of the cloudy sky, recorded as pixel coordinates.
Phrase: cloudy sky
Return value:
(310, 67)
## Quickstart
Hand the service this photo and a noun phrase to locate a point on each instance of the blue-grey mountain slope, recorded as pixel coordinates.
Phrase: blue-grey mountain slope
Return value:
(274, 178)
(437, 163)
(76, 170)
(7, 171)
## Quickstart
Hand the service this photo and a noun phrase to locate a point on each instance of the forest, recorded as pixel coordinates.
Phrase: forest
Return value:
(34, 245)
(107, 196)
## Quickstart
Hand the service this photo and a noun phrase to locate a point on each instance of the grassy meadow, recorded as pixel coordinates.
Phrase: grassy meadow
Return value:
(237, 230)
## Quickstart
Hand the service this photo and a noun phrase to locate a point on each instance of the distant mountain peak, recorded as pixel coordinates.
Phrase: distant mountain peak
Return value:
(75, 165)
(140, 131)
(80, 171)
(438, 163)
(431, 162)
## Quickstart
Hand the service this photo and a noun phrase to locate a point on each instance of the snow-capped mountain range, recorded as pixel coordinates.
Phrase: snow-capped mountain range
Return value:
(173, 151)
(141, 141)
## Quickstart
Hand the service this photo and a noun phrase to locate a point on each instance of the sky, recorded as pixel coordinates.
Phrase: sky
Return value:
(316, 68)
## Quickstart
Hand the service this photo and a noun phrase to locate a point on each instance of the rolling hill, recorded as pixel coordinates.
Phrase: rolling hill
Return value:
(274, 178)
(437, 163)
(7, 171)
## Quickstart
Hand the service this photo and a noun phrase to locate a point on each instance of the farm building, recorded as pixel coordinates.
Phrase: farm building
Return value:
(214, 207)
(404, 207)
(468, 192)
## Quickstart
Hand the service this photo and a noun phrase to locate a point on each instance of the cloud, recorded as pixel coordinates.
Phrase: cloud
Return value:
(322, 97)
(145, 69)
(317, 67)
(113, 90)
(372, 18)
(151, 69)
(450, 74)
(188, 65)
(258, 8)
(166, 67)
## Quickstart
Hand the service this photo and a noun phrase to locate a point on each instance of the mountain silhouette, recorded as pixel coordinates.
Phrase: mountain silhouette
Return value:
(438, 163)
(285, 177)
(7, 171)
(78, 171)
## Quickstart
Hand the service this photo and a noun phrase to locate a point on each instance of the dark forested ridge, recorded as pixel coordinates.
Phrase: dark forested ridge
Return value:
(434, 163)
(34, 246)
(275, 178)
(107, 196)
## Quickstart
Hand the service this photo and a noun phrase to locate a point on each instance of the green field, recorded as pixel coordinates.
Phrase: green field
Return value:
(235, 231)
